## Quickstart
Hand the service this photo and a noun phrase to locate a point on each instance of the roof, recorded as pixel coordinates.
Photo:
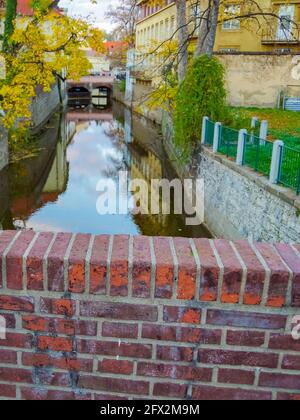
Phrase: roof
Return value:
(24, 7)
(110, 45)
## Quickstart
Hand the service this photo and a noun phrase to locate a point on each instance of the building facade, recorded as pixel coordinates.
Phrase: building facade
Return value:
(158, 22)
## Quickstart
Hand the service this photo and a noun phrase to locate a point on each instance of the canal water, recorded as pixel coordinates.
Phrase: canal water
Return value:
(56, 189)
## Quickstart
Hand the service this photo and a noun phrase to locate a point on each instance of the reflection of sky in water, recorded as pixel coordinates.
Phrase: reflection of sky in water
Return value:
(93, 155)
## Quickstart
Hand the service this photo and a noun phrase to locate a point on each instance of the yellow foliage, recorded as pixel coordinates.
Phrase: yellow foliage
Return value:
(45, 49)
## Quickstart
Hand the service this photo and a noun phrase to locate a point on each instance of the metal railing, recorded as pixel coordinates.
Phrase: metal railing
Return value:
(228, 141)
(289, 173)
(258, 154)
(209, 132)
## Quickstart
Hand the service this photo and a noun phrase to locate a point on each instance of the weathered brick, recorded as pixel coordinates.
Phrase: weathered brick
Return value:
(119, 266)
(14, 260)
(238, 358)
(278, 380)
(54, 343)
(187, 271)
(181, 314)
(141, 270)
(256, 274)
(293, 261)
(236, 376)
(10, 320)
(174, 353)
(76, 267)
(207, 393)
(40, 394)
(120, 311)
(6, 237)
(7, 391)
(233, 272)
(120, 367)
(98, 265)
(119, 330)
(42, 360)
(107, 397)
(15, 375)
(245, 338)
(17, 340)
(282, 396)
(114, 385)
(284, 342)
(64, 307)
(291, 362)
(164, 268)
(13, 303)
(8, 356)
(279, 276)
(56, 278)
(210, 271)
(170, 390)
(106, 348)
(34, 262)
(246, 320)
(187, 373)
(59, 326)
(181, 334)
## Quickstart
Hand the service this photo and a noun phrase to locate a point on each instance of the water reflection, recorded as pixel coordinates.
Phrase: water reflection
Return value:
(57, 190)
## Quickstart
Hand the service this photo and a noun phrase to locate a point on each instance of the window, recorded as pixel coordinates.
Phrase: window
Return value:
(230, 12)
(229, 50)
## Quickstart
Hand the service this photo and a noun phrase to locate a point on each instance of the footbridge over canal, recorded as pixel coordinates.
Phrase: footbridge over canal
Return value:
(94, 88)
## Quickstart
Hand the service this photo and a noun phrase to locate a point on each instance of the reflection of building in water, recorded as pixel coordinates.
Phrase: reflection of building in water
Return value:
(58, 176)
(128, 125)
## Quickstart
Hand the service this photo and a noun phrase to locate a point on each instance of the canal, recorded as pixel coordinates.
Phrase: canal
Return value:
(55, 190)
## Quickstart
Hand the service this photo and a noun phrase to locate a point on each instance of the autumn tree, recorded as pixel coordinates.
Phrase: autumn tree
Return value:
(45, 49)
(125, 17)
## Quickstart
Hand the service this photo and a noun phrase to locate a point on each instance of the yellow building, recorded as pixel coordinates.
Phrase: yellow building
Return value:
(158, 23)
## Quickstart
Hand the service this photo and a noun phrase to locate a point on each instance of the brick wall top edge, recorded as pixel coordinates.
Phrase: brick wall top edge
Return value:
(223, 272)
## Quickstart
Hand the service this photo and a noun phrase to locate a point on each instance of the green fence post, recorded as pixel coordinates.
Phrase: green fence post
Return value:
(278, 146)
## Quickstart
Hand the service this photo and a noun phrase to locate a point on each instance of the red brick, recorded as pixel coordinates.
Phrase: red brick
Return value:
(256, 274)
(238, 358)
(15, 375)
(284, 342)
(236, 376)
(173, 353)
(114, 385)
(170, 390)
(54, 343)
(210, 271)
(279, 276)
(281, 396)
(98, 265)
(120, 367)
(14, 260)
(246, 320)
(181, 314)
(76, 268)
(141, 270)
(187, 373)
(181, 334)
(42, 360)
(164, 268)
(107, 397)
(246, 338)
(119, 330)
(278, 380)
(10, 320)
(59, 326)
(40, 394)
(64, 307)
(7, 391)
(293, 261)
(206, 393)
(233, 272)
(187, 271)
(6, 237)
(17, 340)
(12, 303)
(291, 362)
(8, 356)
(56, 256)
(34, 263)
(106, 348)
(119, 266)
(120, 311)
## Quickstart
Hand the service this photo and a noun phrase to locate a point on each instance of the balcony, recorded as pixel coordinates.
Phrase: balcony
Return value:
(281, 36)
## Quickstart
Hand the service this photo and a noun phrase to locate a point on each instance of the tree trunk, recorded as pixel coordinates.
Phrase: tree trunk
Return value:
(208, 29)
(183, 36)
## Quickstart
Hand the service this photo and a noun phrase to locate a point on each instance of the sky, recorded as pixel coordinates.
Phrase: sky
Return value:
(94, 12)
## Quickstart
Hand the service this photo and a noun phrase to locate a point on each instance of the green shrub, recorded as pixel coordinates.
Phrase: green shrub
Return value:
(202, 93)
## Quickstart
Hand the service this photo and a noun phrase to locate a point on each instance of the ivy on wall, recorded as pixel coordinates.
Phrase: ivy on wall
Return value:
(10, 16)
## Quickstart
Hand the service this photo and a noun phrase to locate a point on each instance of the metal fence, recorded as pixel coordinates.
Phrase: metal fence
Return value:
(228, 141)
(258, 154)
(209, 132)
(289, 173)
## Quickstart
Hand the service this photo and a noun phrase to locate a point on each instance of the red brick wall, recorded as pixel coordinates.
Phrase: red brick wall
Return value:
(118, 317)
